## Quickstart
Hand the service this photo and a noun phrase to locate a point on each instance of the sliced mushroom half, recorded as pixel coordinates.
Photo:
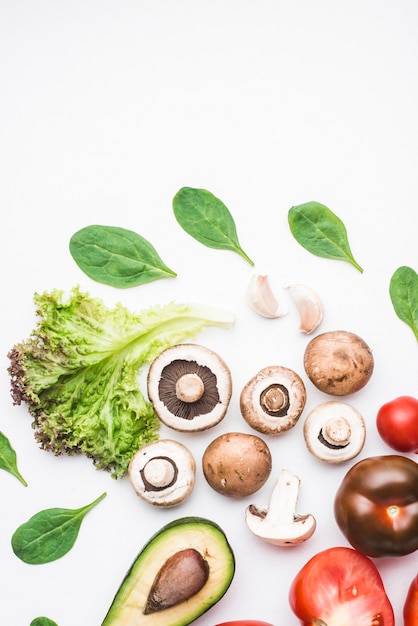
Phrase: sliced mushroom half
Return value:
(273, 400)
(163, 472)
(334, 432)
(190, 387)
(278, 523)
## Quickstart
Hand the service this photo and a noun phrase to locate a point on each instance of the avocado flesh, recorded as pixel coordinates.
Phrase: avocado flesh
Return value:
(191, 532)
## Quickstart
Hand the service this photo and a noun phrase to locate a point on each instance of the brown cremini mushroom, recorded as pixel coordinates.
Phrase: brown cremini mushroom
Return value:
(273, 400)
(279, 524)
(163, 472)
(237, 464)
(334, 432)
(338, 362)
(190, 387)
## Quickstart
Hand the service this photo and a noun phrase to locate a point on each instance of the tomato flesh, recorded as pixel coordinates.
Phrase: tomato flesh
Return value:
(397, 424)
(410, 610)
(342, 587)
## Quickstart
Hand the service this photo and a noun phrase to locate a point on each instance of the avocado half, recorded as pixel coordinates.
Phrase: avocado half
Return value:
(183, 570)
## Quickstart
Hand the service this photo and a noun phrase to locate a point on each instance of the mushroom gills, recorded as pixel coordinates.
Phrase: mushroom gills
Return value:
(189, 387)
(163, 472)
(195, 385)
(334, 431)
(272, 401)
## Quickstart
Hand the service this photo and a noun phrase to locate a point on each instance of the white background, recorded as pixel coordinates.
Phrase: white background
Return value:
(106, 110)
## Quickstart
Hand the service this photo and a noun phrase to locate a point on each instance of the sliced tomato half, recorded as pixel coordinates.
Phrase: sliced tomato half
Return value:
(342, 587)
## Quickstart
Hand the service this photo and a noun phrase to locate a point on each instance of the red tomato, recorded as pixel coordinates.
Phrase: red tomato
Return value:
(410, 610)
(342, 587)
(397, 424)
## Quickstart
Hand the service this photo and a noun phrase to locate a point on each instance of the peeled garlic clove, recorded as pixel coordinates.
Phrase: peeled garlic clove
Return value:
(261, 297)
(309, 306)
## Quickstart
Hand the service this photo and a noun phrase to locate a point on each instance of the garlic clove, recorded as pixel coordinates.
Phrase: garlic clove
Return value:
(309, 306)
(261, 298)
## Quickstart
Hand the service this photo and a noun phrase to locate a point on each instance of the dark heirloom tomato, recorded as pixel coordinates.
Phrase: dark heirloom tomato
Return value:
(342, 587)
(376, 506)
(410, 609)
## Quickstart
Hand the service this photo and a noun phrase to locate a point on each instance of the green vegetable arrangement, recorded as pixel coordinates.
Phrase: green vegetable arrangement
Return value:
(78, 371)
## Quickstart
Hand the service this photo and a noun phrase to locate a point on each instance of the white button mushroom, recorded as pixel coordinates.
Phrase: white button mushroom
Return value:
(334, 432)
(273, 400)
(163, 472)
(279, 524)
(190, 387)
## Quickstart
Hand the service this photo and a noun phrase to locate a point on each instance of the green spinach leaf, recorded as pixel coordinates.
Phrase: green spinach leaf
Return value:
(117, 257)
(43, 621)
(403, 290)
(49, 534)
(8, 459)
(207, 219)
(321, 232)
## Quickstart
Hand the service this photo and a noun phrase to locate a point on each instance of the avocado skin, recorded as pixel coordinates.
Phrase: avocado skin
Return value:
(197, 532)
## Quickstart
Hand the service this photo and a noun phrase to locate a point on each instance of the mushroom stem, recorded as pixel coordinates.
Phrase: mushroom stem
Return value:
(284, 498)
(337, 431)
(189, 388)
(159, 472)
(274, 399)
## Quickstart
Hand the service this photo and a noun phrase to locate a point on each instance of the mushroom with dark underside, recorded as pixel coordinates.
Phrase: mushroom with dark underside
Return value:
(190, 387)
(273, 400)
(163, 472)
(334, 432)
(338, 362)
(279, 524)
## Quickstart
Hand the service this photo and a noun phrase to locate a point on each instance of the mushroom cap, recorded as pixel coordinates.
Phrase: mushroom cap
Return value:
(190, 387)
(338, 362)
(272, 401)
(334, 432)
(163, 472)
(237, 464)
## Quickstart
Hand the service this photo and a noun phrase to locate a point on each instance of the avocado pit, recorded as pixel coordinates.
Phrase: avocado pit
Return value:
(182, 576)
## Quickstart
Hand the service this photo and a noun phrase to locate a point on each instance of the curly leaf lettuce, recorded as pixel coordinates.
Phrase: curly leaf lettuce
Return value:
(78, 372)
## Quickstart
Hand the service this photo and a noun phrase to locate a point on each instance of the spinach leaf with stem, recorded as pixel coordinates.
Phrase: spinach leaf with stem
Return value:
(49, 534)
(8, 460)
(207, 219)
(117, 257)
(321, 232)
(403, 291)
(43, 621)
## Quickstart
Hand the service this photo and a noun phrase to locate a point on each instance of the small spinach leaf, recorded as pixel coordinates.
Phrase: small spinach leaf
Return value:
(116, 256)
(8, 459)
(321, 232)
(207, 219)
(43, 621)
(403, 290)
(49, 534)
